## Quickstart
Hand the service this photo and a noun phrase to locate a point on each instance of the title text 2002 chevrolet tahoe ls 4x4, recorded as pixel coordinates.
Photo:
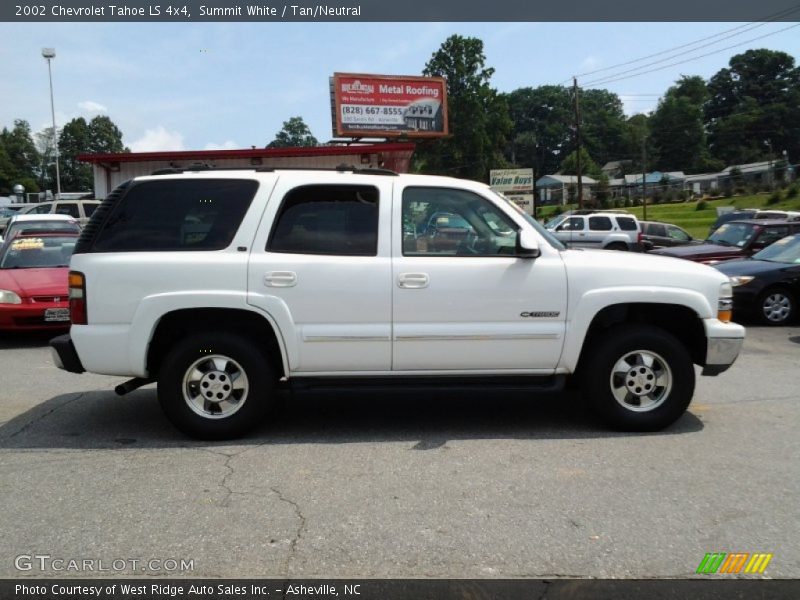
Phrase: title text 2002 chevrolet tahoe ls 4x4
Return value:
(221, 284)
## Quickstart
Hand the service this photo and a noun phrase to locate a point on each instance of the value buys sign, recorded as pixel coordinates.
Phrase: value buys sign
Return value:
(511, 180)
(384, 105)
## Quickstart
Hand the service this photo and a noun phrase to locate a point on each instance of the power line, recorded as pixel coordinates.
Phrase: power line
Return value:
(614, 78)
(746, 27)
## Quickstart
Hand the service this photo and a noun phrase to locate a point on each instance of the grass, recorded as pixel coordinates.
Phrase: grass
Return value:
(697, 222)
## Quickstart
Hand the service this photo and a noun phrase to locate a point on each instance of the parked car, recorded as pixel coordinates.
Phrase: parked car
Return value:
(735, 215)
(6, 212)
(41, 223)
(33, 281)
(660, 235)
(767, 286)
(316, 278)
(80, 210)
(735, 239)
(609, 230)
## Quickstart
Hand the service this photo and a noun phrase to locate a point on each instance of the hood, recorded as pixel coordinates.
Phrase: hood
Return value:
(750, 267)
(591, 271)
(51, 281)
(700, 251)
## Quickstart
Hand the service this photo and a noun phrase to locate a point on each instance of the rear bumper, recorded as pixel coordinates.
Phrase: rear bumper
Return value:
(64, 355)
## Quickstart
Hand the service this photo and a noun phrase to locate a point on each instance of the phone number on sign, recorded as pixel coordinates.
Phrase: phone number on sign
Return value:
(359, 113)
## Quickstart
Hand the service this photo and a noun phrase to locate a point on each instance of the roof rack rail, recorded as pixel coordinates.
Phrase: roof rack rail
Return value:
(340, 168)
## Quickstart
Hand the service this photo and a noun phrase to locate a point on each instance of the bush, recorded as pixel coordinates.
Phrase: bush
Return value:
(792, 191)
(702, 205)
(728, 193)
(628, 203)
(775, 197)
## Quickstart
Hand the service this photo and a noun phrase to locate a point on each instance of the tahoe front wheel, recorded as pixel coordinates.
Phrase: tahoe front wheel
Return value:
(638, 378)
(215, 386)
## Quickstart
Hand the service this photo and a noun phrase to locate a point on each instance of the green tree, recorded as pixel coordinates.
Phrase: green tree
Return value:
(478, 116)
(602, 125)
(753, 111)
(588, 166)
(100, 135)
(22, 154)
(541, 132)
(294, 133)
(104, 136)
(7, 171)
(678, 130)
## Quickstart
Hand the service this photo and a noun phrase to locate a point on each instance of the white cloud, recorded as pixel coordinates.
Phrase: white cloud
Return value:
(158, 139)
(92, 107)
(226, 145)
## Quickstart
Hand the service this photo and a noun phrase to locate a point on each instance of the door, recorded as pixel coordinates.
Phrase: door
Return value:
(324, 273)
(462, 300)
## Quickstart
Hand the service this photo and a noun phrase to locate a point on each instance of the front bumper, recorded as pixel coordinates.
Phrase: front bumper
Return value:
(721, 353)
(64, 355)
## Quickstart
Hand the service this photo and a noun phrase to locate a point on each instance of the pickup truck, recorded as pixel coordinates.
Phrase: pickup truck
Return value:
(223, 286)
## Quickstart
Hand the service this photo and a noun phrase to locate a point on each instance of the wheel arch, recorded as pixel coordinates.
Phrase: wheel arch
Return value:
(176, 324)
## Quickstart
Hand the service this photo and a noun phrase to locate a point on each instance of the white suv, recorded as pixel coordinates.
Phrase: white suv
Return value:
(223, 285)
(610, 230)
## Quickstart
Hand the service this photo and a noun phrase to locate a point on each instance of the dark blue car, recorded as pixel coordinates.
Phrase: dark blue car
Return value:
(767, 285)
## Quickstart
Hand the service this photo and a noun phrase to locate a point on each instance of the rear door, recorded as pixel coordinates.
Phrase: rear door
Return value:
(322, 269)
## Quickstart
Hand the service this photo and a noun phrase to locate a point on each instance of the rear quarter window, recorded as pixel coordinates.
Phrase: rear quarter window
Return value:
(178, 214)
(627, 224)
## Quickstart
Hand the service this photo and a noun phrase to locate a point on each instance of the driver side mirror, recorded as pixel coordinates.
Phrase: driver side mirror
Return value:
(527, 244)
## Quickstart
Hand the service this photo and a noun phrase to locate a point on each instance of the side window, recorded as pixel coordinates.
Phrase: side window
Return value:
(678, 234)
(657, 230)
(571, 224)
(599, 224)
(339, 220)
(626, 223)
(444, 221)
(773, 234)
(67, 208)
(88, 208)
(177, 214)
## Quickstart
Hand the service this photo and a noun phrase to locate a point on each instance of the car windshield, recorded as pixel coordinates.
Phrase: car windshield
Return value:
(38, 252)
(733, 234)
(21, 226)
(785, 250)
(551, 239)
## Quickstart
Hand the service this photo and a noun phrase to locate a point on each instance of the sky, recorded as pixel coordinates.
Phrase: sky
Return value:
(196, 86)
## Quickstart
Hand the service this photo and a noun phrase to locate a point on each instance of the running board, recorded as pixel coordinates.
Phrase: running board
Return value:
(509, 383)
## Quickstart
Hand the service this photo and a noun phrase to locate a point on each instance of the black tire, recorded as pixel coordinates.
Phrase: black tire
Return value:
(776, 306)
(660, 405)
(617, 246)
(208, 351)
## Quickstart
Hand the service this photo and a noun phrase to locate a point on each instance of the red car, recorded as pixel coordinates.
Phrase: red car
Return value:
(33, 281)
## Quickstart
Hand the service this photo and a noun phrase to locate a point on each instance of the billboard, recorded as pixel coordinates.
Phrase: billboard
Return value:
(511, 180)
(388, 105)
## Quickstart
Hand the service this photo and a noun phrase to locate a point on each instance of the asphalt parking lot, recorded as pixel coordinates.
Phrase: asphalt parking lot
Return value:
(434, 485)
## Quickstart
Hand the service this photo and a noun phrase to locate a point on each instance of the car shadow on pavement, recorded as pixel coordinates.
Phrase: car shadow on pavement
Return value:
(102, 420)
(15, 340)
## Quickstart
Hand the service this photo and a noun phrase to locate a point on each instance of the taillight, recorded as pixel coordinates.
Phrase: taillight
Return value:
(77, 298)
(639, 237)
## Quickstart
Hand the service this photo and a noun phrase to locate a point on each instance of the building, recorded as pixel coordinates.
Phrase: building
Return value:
(112, 169)
(563, 189)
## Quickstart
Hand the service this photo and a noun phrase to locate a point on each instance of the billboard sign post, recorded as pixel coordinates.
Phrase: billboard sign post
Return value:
(388, 106)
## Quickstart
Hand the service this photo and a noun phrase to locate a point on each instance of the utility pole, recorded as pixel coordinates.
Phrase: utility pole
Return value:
(578, 141)
(644, 178)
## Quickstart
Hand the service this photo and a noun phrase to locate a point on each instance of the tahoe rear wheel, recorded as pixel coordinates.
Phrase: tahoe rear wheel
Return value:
(215, 385)
(638, 378)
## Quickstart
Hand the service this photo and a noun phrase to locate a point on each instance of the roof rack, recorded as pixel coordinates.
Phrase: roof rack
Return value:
(340, 168)
(591, 211)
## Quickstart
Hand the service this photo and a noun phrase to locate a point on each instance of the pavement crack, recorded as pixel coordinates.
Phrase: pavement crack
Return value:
(44, 415)
(298, 534)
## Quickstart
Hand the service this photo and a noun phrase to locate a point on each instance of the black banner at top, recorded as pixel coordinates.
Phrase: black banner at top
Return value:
(397, 11)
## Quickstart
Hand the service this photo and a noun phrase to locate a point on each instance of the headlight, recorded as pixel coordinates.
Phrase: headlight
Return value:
(9, 297)
(741, 280)
(725, 302)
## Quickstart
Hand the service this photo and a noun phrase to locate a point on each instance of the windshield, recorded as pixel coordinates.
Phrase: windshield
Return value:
(551, 239)
(786, 250)
(733, 234)
(38, 252)
(20, 226)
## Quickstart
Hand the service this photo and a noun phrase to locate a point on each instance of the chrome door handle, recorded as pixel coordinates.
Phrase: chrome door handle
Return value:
(413, 280)
(280, 279)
